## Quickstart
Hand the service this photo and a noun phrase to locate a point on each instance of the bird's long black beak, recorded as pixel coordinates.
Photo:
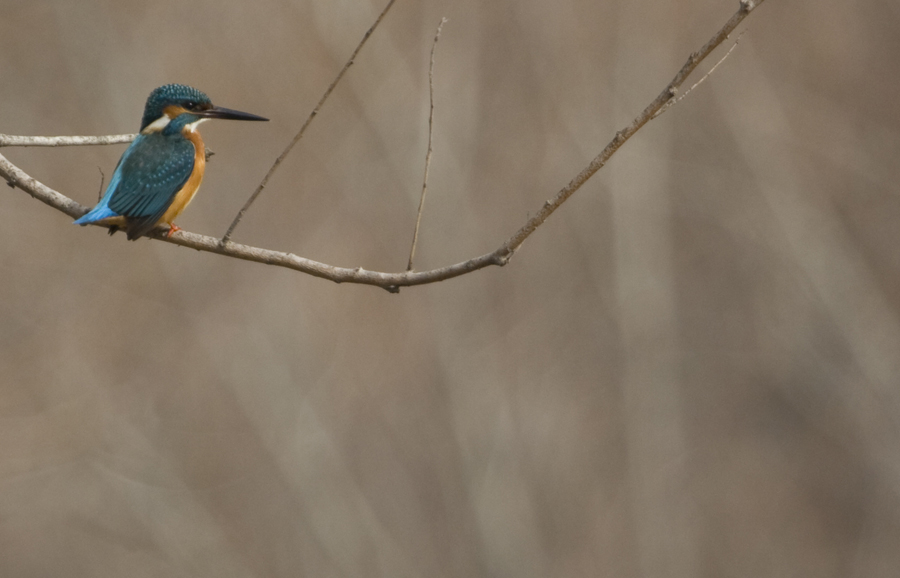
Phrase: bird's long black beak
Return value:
(227, 113)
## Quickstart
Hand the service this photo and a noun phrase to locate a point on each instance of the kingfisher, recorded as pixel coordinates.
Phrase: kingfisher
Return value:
(161, 170)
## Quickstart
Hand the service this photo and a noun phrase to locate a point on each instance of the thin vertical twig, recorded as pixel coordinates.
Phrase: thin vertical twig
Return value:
(412, 250)
(102, 181)
(299, 135)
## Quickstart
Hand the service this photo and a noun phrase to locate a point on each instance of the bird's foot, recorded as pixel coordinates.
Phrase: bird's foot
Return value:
(172, 229)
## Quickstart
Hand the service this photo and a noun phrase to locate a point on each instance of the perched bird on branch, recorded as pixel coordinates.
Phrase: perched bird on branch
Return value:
(161, 171)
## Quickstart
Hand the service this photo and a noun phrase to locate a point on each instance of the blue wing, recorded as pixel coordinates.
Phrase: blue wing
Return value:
(149, 174)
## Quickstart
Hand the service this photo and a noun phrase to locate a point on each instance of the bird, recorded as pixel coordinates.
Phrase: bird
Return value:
(160, 172)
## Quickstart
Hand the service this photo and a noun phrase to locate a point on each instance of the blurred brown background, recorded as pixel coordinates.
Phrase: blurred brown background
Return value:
(690, 370)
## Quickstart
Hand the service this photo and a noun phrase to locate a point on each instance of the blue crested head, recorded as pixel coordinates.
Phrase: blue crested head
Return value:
(173, 95)
(183, 105)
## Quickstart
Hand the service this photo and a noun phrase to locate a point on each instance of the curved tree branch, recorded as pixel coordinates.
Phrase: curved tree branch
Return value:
(15, 177)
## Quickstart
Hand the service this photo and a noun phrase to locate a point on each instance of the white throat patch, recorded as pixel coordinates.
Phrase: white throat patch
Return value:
(157, 125)
(193, 126)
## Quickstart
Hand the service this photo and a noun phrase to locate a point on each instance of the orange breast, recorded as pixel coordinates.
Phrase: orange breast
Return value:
(187, 192)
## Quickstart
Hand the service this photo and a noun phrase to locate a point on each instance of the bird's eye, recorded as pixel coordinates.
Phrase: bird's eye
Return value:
(190, 105)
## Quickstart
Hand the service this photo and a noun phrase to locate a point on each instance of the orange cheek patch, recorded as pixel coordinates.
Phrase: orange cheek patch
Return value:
(173, 111)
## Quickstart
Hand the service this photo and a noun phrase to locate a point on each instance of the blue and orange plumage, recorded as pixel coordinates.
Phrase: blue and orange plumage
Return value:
(161, 171)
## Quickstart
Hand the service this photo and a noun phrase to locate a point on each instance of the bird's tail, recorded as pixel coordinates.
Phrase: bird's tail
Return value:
(98, 213)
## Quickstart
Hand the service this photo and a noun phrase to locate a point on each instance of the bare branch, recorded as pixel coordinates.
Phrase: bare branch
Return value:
(412, 250)
(674, 101)
(15, 177)
(237, 219)
(8, 140)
